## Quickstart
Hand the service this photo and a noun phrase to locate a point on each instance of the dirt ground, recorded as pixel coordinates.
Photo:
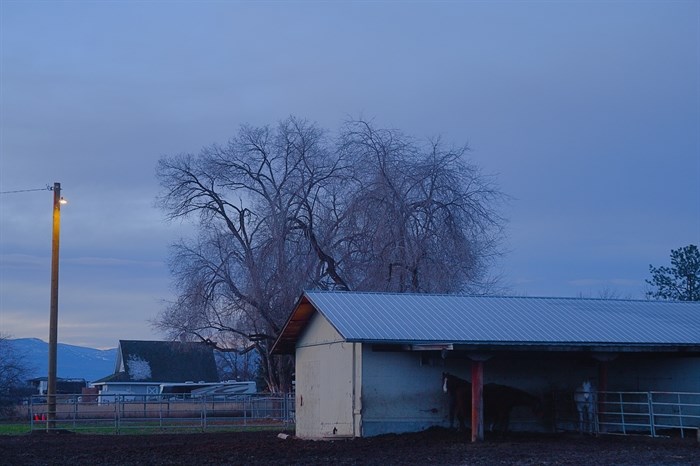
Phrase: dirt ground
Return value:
(435, 446)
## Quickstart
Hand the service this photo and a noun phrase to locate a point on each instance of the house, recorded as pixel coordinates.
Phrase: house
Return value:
(63, 386)
(143, 367)
(371, 363)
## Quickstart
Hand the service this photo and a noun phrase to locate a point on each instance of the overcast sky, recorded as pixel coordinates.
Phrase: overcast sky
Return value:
(587, 113)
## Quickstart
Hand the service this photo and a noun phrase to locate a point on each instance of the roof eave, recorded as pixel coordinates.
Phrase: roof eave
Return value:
(595, 347)
(295, 325)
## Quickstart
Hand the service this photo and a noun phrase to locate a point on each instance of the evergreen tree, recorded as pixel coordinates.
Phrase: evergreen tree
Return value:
(681, 281)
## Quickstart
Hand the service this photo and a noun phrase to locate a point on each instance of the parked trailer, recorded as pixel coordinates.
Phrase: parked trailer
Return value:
(226, 390)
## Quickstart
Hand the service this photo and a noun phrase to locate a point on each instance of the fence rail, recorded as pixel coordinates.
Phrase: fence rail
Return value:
(652, 413)
(122, 413)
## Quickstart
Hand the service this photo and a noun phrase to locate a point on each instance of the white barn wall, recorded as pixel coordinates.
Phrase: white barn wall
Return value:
(325, 383)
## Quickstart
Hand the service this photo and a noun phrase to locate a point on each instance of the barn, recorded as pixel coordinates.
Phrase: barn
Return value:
(372, 363)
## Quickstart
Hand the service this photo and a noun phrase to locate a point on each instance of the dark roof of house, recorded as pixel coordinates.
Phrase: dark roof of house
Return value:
(163, 361)
(116, 377)
(491, 321)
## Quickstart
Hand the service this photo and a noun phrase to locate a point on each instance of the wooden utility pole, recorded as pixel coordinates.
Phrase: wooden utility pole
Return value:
(53, 315)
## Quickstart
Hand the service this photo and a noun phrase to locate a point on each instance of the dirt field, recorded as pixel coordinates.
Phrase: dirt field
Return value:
(436, 446)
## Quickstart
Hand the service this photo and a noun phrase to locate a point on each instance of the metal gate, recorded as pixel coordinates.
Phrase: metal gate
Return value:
(652, 413)
(649, 413)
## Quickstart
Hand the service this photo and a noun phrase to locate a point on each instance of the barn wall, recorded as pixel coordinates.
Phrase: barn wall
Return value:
(542, 372)
(654, 373)
(401, 393)
(552, 377)
(538, 373)
(325, 394)
(565, 371)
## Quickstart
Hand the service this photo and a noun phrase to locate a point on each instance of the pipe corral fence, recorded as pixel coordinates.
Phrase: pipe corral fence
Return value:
(652, 413)
(127, 412)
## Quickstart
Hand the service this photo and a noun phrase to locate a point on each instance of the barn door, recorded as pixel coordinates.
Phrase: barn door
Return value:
(336, 393)
(324, 385)
(308, 401)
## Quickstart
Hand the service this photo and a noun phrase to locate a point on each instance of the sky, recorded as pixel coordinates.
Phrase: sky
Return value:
(586, 113)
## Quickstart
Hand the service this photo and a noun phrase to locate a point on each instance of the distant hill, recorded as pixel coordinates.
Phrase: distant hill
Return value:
(72, 361)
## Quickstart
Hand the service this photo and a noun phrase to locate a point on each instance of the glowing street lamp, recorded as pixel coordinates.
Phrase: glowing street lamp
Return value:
(53, 315)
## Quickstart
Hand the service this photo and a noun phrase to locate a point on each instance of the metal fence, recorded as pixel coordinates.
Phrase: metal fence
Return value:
(646, 413)
(649, 413)
(127, 413)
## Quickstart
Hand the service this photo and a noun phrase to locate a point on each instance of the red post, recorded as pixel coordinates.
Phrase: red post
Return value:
(602, 386)
(477, 401)
(603, 376)
(603, 359)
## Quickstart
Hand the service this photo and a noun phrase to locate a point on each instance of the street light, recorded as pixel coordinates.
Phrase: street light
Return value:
(53, 314)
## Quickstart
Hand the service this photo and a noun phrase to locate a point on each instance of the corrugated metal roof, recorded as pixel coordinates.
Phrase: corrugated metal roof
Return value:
(423, 318)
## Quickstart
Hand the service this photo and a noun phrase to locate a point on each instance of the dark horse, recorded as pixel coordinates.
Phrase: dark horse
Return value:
(499, 401)
(460, 393)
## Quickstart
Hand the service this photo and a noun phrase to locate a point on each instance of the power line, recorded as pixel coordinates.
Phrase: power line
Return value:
(48, 188)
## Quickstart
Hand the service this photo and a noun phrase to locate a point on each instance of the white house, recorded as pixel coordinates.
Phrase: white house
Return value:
(371, 363)
(144, 367)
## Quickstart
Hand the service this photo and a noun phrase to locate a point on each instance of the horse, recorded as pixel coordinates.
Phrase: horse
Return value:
(499, 401)
(460, 393)
(585, 399)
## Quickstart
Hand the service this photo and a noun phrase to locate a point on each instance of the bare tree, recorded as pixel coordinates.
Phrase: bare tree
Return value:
(13, 371)
(285, 209)
(254, 254)
(422, 219)
(606, 293)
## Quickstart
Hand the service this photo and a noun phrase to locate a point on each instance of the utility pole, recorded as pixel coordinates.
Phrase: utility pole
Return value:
(53, 316)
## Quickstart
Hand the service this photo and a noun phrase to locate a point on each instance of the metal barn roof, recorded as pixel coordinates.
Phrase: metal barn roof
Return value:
(417, 319)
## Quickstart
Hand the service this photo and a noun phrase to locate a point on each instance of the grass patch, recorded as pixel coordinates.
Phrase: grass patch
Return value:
(14, 429)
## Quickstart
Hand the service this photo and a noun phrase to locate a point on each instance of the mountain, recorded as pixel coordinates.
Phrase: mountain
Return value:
(71, 361)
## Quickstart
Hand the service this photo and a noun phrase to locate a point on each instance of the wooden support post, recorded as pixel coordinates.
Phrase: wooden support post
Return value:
(603, 376)
(477, 400)
(603, 362)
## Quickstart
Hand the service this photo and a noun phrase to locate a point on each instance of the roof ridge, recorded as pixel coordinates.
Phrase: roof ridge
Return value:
(459, 295)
